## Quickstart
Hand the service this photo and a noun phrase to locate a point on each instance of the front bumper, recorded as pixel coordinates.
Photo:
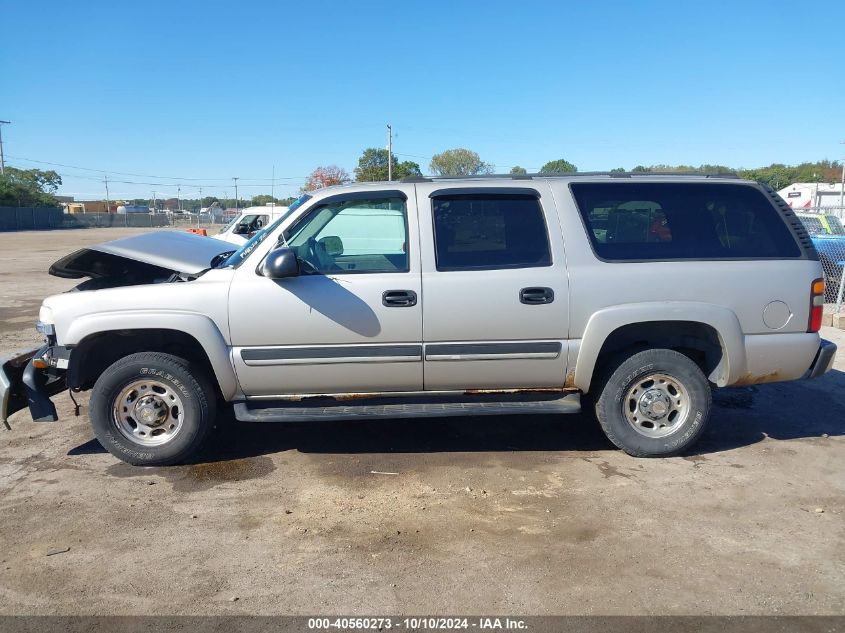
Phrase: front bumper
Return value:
(823, 362)
(23, 385)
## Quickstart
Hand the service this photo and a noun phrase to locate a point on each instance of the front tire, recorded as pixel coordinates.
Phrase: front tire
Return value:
(655, 403)
(152, 409)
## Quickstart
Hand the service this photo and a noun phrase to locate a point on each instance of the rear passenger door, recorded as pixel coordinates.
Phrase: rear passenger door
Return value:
(494, 284)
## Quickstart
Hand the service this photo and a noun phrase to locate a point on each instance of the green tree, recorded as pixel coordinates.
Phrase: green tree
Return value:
(29, 187)
(617, 170)
(458, 162)
(263, 200)
(516, 169)
(372, 166)
(559, 166)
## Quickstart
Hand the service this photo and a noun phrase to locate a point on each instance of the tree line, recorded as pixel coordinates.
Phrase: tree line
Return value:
(36, 187)
(373, 166)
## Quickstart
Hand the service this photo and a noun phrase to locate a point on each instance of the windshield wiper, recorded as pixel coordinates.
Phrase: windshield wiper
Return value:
(220, 258)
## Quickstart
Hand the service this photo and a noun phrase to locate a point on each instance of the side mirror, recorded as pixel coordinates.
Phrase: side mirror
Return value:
(280, 263)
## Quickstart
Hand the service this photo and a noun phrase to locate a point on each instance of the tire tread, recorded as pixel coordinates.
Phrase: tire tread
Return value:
(193, 377)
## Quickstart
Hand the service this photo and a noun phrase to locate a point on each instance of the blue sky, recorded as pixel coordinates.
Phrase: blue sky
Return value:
(194, 93)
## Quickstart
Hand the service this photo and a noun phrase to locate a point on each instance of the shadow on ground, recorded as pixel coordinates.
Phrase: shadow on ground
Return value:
(740, 417)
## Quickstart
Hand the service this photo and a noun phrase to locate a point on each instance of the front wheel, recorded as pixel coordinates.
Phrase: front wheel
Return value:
(152, 409)
(655, 403)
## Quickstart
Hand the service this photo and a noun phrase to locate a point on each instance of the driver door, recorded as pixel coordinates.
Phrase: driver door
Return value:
(352, 320)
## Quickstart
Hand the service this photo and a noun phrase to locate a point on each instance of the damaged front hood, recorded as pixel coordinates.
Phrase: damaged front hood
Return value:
(142, 258)
(175, 251)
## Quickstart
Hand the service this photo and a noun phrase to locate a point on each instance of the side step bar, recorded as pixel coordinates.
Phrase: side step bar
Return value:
(420, 407)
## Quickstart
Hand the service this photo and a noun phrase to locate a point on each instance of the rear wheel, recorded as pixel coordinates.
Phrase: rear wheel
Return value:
(655, 403)
(152, 409)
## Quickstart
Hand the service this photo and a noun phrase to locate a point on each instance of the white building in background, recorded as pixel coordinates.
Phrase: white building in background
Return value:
(803, 195)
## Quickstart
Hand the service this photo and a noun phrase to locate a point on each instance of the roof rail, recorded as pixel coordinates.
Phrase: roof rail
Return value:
(578, 174)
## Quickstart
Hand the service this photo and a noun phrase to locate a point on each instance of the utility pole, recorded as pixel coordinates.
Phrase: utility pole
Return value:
(841, 191)
(108, 201)
(155, 202)
(273, 191)
(389, 152)
(236, 194)
(2, 160)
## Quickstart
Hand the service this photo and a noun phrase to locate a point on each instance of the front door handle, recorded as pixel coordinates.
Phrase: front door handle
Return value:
(536, 296)
(399, 298)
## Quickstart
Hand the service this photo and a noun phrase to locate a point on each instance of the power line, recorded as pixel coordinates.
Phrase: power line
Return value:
(124, 173)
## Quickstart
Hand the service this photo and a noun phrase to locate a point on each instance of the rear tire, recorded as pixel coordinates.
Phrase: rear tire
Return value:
(152, 409)
(655, 403)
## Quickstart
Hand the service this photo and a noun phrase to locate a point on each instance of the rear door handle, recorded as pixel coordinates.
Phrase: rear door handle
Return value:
(399, 298)
(536, 295)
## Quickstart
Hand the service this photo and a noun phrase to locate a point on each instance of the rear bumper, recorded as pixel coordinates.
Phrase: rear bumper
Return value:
(22, 385)
(823, 362)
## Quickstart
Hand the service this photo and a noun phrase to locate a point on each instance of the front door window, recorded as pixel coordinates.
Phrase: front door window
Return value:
(353, 236)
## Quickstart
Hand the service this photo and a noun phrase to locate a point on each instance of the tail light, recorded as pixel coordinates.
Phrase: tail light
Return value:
(816, 305)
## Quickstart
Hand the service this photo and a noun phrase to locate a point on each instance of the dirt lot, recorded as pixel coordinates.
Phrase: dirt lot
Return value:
(510, 515)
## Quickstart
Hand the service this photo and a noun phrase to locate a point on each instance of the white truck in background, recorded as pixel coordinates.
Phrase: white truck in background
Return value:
(249, 222)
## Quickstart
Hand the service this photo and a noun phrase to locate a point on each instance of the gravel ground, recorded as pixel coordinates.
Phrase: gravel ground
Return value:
(511, 515)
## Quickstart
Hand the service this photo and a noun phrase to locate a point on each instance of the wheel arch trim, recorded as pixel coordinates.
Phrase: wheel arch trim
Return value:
(199, 327)
(607, 320)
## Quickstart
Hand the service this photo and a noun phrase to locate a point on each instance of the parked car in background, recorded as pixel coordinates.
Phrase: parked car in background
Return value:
(630, 294)
(249, 222)
(828, 235)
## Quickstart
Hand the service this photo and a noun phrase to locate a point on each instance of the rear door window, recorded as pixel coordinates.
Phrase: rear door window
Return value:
(489, 231)
(656, 221)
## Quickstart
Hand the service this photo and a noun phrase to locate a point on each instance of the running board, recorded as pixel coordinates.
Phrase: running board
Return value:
(388, 408)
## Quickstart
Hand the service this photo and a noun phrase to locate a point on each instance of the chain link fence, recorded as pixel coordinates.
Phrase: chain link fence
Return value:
(43, 218)
(826, 229)
(99, 220)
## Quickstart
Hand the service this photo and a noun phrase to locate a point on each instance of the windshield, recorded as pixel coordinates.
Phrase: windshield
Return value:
(249, 224)
(230, 223)
(243, 252)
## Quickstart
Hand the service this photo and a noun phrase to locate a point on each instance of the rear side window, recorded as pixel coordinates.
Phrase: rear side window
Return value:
(489, 231)
(655, 221)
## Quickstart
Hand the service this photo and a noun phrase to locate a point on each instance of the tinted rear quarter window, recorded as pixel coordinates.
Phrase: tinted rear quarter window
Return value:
(657, 221)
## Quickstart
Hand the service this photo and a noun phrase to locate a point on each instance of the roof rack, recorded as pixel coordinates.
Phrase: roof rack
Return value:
(577, 174)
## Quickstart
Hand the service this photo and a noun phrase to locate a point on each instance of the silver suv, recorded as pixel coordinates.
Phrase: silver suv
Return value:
(632, 294)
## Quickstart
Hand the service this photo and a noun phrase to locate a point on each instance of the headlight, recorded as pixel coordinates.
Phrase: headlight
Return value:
(45, 323)
(47, 329)
(45, 315)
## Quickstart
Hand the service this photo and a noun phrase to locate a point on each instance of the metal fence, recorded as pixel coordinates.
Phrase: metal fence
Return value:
(827, 230)
(29, 218)
(98, 220)
(40, 218)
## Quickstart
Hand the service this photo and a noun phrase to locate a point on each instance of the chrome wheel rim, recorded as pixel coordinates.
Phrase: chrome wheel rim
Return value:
(148, 413)
(656, 405)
